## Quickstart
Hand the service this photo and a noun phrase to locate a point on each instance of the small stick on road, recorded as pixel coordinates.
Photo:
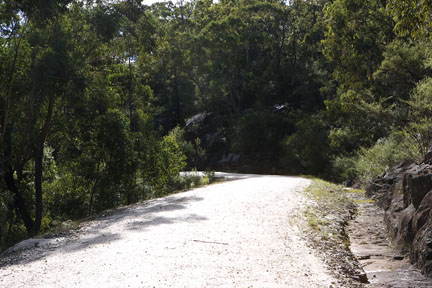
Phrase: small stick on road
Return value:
(210, 242)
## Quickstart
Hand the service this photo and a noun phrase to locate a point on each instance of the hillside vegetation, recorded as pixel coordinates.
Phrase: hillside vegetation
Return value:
(94, 96)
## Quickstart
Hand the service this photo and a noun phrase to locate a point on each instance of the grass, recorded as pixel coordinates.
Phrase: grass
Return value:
(363, 201)
(313, 220)
(327, 218)
(330, 211)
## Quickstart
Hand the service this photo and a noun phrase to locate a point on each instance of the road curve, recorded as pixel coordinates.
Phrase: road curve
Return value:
(233, 234)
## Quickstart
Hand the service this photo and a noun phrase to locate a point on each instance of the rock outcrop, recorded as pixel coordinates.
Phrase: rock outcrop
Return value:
(208, 129)
(405, 194)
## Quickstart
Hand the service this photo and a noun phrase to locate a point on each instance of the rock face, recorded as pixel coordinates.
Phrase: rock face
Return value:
(405, 194)
(208, 129)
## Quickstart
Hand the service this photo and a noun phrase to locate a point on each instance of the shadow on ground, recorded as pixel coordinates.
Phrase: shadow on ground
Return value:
(136, 217)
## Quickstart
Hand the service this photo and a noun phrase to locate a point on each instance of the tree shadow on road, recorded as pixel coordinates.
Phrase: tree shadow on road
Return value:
(136, 217)
(140, 225)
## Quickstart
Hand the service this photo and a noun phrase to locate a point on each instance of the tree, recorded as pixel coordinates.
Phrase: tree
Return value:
(48, 77)
(419, 126)
(404, 65)
(412, 17)
(357, 33)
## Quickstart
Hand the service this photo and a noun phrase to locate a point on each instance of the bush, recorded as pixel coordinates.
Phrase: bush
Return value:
(419, 126)
(170, 160)
(344, 168)
(187, 182)
(371, 162)
(306, 151)
(67, 197)
(192, 151)
(259, 134)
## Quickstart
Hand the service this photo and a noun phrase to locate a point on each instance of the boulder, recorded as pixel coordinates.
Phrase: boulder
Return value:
(423, 212)
(405, 193)
(421, 251)
(415, 187)
(427, 159)
(203, 126)
(208, 129)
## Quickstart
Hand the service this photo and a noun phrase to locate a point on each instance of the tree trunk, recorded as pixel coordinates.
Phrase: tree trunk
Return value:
(39, 153)
(19, 203)
(38, 185)
(8, 176)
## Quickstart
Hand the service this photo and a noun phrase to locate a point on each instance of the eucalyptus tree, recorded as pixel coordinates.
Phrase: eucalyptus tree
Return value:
(356, 36)
(38, 46)
(412, 17)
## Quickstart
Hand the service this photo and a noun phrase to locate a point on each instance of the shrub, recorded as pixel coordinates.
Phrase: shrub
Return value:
(170, 160)
(259, 134)
(190, 181)
(419, 126)
(344, 168)
(306, 151)
(192, 151)
(67, 197)
(371, 162)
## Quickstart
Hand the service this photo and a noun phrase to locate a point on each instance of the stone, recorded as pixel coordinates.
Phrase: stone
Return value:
(406, 234)
(202, 126)
(405, 194)
(427, 159)
(208, 129)
(361, 277)
(416, 187)
(421, 249)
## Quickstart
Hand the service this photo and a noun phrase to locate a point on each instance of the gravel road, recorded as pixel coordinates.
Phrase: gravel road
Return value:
(239, 233)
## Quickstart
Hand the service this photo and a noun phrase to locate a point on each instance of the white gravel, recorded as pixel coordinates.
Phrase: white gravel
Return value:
(233, 234)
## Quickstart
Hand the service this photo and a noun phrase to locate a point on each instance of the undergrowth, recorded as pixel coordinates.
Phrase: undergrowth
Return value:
(331, 208)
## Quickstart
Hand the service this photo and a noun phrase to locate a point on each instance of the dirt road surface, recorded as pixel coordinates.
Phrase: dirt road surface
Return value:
(241, 233)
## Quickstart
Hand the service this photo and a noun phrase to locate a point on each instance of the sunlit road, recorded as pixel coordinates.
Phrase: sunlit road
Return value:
(240, 233)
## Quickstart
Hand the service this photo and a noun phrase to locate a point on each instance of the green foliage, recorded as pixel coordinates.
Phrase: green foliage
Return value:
(348, 133)
(89, 92)
(419, 126)
(187, 148)
(344, 168)
(67, 197)
(412, 17)
(383, 155)
(260, 134)
(403, 66)
(306, 150)
(369, 163)
(184, 183)
(170, 161)
(357, 32)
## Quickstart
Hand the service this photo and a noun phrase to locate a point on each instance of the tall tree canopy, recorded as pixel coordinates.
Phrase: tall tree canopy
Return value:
(94, 96)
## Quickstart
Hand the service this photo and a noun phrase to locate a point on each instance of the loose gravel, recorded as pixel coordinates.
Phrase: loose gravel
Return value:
(241, 233)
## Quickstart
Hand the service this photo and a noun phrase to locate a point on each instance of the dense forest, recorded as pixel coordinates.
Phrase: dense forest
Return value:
(95, 96)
